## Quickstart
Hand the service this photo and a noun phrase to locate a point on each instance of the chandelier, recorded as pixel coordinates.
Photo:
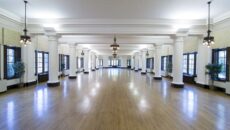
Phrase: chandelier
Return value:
(82, 53)
(147, 53)
(114, 46)
(114, 55)
(25, 39)
(208, 40)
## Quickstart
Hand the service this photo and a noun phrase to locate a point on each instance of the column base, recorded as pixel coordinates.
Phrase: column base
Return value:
(53, 84)
(93, 69)
(136, 70)
(157, 78)
(176, 85)
(143, 73)
(72, 77)
(86, 72)
(140, 69)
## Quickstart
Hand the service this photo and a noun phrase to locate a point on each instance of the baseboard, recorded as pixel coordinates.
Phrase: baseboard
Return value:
(177, 85)
(30, 83)
(157, 78)
(72, 77)
(53, 84)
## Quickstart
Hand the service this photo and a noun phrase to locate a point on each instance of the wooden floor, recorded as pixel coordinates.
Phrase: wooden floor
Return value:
(114, 99)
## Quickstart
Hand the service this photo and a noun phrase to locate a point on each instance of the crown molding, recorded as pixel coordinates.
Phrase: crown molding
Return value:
(221, 18)
(9, 15)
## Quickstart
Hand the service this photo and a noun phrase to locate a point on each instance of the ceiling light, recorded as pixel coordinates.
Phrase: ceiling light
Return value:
(208, 40)
(25, 39)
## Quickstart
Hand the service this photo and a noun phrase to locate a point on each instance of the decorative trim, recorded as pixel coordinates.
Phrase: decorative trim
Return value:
(72, 77)
(157, 78)
(177, 85)
(53, 84)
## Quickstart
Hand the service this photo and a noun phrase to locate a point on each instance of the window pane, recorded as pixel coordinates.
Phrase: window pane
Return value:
(222, 61)
(191, 64)
(10, 63)
(185, 64)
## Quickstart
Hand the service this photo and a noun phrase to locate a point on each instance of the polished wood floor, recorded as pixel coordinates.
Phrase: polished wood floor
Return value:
(114, 99)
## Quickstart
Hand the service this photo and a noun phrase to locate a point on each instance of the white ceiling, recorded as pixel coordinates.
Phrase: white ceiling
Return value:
(128, 43)
(121, 17)
(116, 9)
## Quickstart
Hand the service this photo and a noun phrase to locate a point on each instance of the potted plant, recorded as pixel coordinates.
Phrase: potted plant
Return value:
(19, 69)
(213, 70)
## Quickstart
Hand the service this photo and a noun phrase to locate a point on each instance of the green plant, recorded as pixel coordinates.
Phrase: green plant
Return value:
(19, 69)
(213, 70)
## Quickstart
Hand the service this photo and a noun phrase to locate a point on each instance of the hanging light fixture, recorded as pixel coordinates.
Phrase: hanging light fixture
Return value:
(114, 46)
(208, 40)
(147, 53)
(25, 39)
(82, 53)
(114, 55)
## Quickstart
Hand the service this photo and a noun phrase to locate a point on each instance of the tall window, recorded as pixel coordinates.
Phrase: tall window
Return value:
(10, 63)
(220, 57)
(166, 63)
(41, 62)
(129, 62)
(101, 62)
(11, 56)
(63, 62)
(189, 64)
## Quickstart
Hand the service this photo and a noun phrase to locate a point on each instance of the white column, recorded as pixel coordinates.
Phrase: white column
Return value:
(203, 58)
(136, 61)
(53, 58)
(86, 61)
(93, 61)
(72, 60)
(97, 62)
(157, 62)
(178, 62)
(28, 58)
(143, 70)
(140, 61)
(132, 63)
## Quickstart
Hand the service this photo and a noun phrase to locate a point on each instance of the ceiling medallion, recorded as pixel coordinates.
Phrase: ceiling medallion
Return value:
(25, 39)
(208, 40)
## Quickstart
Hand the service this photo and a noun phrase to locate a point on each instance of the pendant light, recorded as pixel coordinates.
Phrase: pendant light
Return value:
(82, 53)
(25, 39)
(147, 53)
(209, 40)
(114, 46)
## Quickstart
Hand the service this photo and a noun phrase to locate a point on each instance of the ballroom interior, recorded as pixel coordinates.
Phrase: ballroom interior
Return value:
(114, 64)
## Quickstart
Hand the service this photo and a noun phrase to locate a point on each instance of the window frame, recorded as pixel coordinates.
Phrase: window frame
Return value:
(17, 58)
(188, 64)
(215, 60)
(43, 62)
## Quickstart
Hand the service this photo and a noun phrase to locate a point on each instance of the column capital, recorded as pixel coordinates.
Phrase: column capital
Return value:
(144, 50)
(51, 34)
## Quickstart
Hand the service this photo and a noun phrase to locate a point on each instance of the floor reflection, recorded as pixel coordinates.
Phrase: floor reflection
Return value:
(189, 103)
(41, 101)
(10, 114)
